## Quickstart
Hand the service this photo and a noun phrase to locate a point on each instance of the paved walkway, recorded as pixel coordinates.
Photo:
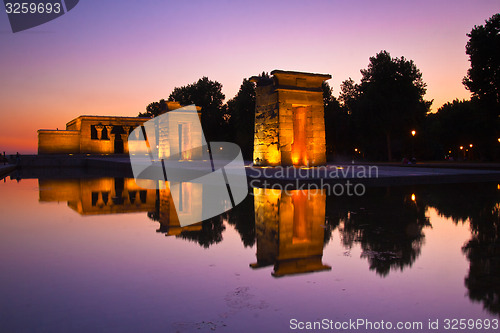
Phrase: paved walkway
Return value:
(383, 174)
(375, 174)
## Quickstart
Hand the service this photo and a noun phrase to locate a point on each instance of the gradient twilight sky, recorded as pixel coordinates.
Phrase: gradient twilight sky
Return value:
(115, 57)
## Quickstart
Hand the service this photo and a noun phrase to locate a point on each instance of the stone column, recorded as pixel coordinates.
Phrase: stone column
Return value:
(111, 137)
(109, 128)
(125, 142)
(99, 129)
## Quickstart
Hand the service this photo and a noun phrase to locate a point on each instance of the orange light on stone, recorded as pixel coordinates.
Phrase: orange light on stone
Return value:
(289, 118)
(291, 230)
(299, 149)
(274, 157)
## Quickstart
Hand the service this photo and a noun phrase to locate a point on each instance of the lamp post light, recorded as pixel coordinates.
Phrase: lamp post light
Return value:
(413, 133)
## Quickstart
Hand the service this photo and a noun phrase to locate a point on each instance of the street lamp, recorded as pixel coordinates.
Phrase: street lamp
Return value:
(413, 133)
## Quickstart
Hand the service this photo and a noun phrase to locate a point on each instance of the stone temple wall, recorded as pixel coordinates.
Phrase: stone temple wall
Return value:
(289, 119)
(58, 142)
(90, 135)
(289, 227)
(266, 139)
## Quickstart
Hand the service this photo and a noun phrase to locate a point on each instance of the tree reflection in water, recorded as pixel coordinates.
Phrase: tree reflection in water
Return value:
(205, 233)
(479, 204)
(386, 222)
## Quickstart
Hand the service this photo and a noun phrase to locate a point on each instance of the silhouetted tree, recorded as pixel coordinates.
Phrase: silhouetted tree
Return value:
(154, 109)
(349, 93)
(453, 125)
(336, 124)
(483, 48)
(387, 104)
(483, 81)
(208, 95)
(241, 118)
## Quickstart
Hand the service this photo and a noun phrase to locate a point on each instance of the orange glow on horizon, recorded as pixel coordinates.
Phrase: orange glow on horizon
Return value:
(110, 74)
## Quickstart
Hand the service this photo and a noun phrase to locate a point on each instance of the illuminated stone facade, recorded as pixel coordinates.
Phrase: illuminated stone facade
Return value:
(104, 196)
(290, 230)
(289, 119)
(109, 135)
(98, 196)
(89, 135)
(168, 216)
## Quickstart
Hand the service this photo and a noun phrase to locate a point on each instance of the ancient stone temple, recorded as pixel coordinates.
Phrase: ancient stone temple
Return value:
(98, 196)
(289, 227)
(100, 134)
(289, 119)
(91, 135)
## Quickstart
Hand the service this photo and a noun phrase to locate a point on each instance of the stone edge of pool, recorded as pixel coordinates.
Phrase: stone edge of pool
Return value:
(381, 174)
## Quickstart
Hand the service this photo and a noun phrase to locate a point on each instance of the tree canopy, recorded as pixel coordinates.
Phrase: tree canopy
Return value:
(336, 124)
(241, 117)
(208, 95)
(154, 109)
(387, 104)
(483, 48)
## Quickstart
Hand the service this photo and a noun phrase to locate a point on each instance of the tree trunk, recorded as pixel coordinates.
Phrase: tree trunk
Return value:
(389, 151)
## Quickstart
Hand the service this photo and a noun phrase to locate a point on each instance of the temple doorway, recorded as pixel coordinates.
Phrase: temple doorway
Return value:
(299, 145)
(185, 145)
(118, 142)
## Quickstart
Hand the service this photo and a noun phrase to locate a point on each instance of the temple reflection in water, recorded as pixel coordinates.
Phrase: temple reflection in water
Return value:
(122, 195)
(98, 196)
(290, 230)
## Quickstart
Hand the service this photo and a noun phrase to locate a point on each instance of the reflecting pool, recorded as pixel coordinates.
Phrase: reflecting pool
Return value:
(102, 254)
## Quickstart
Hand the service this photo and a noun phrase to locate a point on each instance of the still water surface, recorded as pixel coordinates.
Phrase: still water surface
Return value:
(101, 254)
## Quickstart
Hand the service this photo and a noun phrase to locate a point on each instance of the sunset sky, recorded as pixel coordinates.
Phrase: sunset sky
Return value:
(115, 57)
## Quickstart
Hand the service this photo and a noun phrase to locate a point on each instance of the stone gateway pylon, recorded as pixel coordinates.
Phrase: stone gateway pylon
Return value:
(289, 119)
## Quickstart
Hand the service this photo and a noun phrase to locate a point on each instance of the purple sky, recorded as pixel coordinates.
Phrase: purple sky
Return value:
(115, 57)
